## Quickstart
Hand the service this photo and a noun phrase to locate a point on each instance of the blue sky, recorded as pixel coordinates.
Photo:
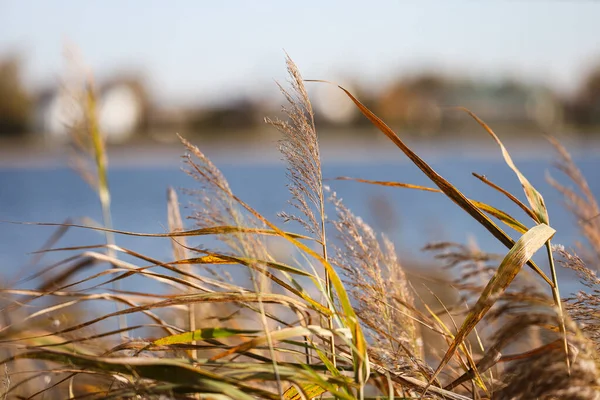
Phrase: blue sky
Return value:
(199, 50)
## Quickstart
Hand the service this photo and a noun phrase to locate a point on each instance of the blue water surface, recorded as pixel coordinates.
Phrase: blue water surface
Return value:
(411, 218)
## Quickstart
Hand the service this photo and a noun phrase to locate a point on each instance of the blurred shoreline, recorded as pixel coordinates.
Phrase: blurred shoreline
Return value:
(256, 147)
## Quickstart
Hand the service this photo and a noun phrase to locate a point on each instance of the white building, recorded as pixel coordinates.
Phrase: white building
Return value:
(119, 110)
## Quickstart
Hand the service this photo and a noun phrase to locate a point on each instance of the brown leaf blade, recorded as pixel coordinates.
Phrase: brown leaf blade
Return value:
(493, 211)
(536, 201)
(446, 187)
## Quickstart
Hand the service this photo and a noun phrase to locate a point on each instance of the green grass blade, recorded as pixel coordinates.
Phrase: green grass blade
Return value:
(506, 193)
(162, 370)
(506, 218)
(278, 335)
(310, 391)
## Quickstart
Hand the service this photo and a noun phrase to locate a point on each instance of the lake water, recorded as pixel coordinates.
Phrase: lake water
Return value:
(411, 218)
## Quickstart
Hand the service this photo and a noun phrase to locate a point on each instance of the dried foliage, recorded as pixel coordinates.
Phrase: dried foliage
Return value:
(473, 268)
(215, 205)
(300, 149)
(584, 306)
(293, 328)
(543, 374)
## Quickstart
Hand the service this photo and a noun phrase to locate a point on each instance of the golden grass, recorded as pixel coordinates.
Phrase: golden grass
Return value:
(338, 319)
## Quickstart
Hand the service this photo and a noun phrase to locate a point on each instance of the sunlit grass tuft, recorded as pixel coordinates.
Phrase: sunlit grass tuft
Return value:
(338, 318)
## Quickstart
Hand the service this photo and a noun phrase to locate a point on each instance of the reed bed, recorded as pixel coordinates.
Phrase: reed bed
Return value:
(338, 318)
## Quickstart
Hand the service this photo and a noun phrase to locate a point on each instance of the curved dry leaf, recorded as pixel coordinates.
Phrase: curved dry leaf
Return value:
(213, 230)
(512, 263)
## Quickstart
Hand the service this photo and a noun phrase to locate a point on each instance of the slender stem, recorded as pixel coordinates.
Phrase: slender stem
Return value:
(258, 288)
(180, 252)
(329, 291)
(328, 285)
(556, 295)
(103, 188)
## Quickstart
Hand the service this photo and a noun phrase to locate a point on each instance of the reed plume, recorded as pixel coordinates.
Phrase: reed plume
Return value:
(580, 201)
(380, 289)
(300, 149)
(543, 374)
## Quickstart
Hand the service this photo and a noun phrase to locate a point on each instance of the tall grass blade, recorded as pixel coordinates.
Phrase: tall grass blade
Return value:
(309, 391)
(91, 138)
(446, 187)
(176, 225)
(213, 230)
(278, 335)
(536, 201)
(509, 195)
(203, 334)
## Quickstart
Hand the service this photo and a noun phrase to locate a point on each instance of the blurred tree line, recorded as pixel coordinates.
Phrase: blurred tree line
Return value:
(585, 107)
(415, 102)
(15, 102)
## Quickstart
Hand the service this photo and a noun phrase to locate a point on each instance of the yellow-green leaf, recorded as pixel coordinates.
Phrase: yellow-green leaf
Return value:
(277, 335)
(310, 390)
(201, 334)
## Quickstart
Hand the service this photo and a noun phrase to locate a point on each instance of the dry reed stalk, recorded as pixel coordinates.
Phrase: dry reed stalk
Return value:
(220, 208)
(380, 289)
(300, 149)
